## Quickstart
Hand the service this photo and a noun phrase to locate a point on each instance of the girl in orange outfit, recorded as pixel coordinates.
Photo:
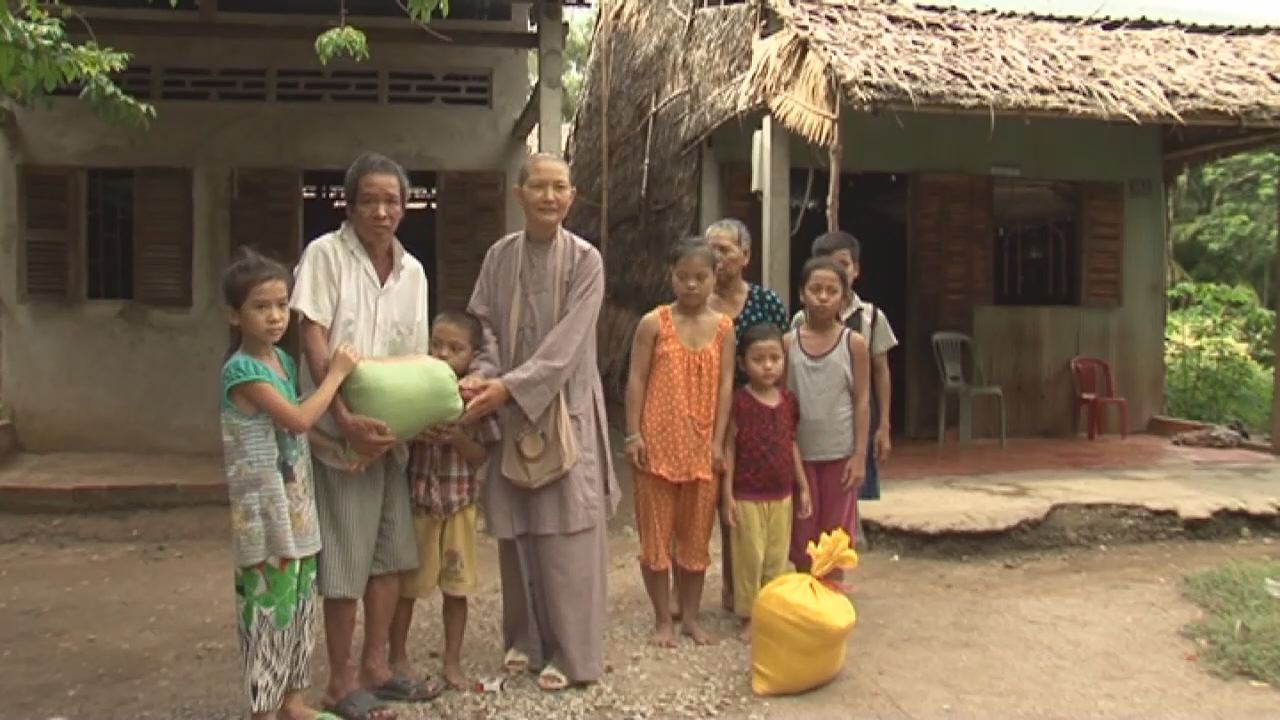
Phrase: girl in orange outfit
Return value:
(678, 395)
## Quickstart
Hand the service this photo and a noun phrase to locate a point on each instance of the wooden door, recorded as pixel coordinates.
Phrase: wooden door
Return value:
(950, 235)
(266, 215)
(743, 205)
(470, 216)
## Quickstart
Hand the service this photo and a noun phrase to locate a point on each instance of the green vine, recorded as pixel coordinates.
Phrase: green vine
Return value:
(342, 41)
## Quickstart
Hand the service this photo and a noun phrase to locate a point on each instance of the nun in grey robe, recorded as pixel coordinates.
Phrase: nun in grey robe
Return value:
(552, 544)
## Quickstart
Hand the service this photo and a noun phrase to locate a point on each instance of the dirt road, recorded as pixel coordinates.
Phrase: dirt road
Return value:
(131, 617)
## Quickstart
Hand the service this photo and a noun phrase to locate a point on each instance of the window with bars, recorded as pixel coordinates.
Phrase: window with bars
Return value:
(1057, 242)
(106, 234)
(1036, 242)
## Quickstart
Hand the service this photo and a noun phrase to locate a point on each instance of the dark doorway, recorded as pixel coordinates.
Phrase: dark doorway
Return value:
(324, 209)
(873, 206)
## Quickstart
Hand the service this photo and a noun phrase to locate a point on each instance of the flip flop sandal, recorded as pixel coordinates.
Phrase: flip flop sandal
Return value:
(404, 690)
(515, 662)
(552, 680)
(361, 705)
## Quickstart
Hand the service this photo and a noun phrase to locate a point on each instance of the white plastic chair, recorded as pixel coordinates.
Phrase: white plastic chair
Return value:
(952, 350)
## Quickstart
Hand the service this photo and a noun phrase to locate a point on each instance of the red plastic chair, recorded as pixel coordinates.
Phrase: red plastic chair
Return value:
(1095, 391)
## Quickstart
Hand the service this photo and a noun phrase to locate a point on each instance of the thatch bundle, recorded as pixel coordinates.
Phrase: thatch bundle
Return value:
(794, 82)
(659, 80)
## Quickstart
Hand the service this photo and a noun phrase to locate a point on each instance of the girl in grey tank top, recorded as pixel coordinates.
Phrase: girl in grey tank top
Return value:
(823, 384)
(827, 371)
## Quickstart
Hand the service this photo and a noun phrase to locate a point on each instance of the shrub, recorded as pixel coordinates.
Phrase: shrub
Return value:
(1218, 355)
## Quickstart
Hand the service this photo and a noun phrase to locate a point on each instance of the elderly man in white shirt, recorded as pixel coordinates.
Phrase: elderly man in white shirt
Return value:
(358, 285)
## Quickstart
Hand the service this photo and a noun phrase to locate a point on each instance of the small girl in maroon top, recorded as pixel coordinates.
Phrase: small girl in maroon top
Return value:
(762, 463)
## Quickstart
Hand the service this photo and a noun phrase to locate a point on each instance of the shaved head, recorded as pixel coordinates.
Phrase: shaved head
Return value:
(526, 169)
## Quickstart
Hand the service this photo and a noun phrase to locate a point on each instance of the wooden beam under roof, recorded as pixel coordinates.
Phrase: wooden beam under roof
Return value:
(226, 29)
(528, 116)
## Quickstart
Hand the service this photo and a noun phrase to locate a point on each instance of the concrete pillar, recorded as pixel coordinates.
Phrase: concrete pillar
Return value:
(775, 197)
(711, 194)
(551, 32)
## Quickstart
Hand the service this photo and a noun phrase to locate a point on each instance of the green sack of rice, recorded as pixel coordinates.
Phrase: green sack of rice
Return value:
(409, 394)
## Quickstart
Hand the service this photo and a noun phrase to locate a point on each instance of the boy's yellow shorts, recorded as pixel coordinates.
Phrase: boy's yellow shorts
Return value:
(446, 555)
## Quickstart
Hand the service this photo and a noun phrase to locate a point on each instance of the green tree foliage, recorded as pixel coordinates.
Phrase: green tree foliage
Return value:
(351, 41)
(1224, 222)
(37, 55)
(1218, 339)
(1218, 355)
(37, 58)
(577, 46)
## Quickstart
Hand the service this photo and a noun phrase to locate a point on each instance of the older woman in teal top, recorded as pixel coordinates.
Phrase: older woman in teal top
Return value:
(748, 304)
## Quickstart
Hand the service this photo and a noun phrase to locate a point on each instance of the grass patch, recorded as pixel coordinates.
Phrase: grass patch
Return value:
(1240, 630)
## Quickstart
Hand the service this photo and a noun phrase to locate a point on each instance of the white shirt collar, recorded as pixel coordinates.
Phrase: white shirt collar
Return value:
(352, 241)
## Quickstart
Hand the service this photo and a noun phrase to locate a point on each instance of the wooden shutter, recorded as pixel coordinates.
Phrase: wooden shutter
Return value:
(1102, 245)
(742, 204)
(266, 212)
(471, 215)
(162, 236)
(49, 207)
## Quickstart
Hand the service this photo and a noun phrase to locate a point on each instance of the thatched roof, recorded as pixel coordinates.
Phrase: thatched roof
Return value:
(664, 74)
(886, 54)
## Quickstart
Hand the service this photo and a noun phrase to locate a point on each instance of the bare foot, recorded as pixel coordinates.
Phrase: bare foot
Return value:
(692, 629)
(745, 635)
(454, 675)
(664, 636)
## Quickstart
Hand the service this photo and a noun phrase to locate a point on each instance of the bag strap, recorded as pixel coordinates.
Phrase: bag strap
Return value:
(513, 322)
(557, 293)
(871, 335)
(557, 275)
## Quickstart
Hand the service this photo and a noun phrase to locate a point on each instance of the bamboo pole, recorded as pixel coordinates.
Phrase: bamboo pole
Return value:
(836, 155)
(604, 140)
(644, 173)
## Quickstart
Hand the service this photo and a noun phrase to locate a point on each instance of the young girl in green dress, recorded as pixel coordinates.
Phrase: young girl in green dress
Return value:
(268, 461)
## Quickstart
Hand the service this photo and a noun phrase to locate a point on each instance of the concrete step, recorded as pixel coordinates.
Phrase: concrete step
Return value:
(73, 482)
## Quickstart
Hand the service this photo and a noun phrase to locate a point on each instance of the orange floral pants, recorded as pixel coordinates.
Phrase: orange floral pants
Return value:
(683, 512)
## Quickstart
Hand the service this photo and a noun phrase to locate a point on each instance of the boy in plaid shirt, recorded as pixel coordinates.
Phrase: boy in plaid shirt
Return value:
(444, 482)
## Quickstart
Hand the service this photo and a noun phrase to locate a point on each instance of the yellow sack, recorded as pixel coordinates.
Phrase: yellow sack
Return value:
(799, 626)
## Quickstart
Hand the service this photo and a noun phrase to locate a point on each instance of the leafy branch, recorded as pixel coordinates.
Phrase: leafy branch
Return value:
(349, 41)
(37, 56)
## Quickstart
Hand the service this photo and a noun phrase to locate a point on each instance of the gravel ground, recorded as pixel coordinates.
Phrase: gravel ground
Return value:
(131, 617)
